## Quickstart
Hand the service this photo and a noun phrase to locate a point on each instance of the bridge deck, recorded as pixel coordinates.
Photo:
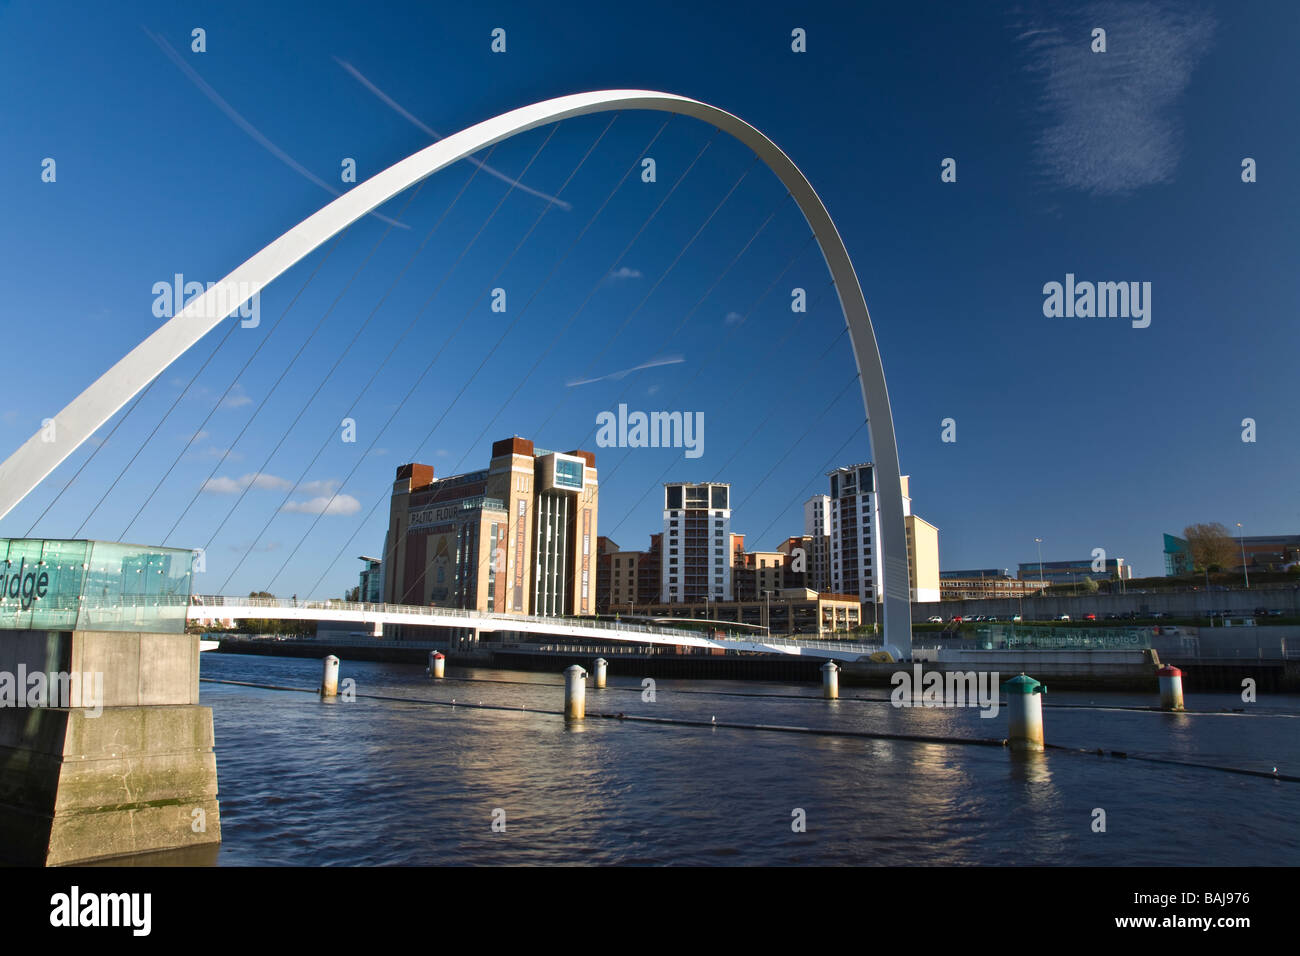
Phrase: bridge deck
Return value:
(209, 606)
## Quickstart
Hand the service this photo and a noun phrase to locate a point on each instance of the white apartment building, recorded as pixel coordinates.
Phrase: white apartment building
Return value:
(851, 515)
(695, 560)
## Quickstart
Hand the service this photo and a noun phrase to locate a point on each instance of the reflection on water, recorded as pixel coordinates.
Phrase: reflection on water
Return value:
(383, 782)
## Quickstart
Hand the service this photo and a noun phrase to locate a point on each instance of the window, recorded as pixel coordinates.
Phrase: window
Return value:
(568, 474)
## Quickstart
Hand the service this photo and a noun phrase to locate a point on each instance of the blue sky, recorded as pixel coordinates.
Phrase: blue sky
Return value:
(1115, 166)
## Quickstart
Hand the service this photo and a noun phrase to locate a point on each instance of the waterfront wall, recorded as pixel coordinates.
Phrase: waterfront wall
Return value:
(1174, 603)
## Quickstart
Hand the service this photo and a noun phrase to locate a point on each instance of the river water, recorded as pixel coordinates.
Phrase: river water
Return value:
(368, 781)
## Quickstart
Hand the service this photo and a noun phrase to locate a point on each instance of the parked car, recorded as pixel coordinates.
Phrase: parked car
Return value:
(1062, 617)
(1090, 617)
(991, 617)
(1158, 615)
(934, 619)
(1275, 612)
(1015, 617)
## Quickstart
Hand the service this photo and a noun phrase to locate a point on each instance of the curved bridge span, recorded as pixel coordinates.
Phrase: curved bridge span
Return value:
(85, 414)
(218, 607)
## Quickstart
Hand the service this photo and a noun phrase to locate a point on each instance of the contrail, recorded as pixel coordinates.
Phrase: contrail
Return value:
(653, 363)
(248, 127)
(397, 108)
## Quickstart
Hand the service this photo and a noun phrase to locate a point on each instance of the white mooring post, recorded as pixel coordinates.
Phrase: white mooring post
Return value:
(600, 666)
(329, 682)
(575, 693)
(437, 664)
(831, 680)
(1025, 712)
(1171, 687)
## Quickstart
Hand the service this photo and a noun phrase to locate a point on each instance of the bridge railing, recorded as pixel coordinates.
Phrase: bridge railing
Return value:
(214, 601)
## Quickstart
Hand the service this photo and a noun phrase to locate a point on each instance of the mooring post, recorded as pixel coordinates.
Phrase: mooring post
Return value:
(831, 680)
(575, 693)
(329, 682)
(1171, 687)
(1025, 712)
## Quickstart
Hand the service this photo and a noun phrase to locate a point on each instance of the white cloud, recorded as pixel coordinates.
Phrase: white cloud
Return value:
(623, 272)
(237, 398)
(336, 505)
(327, 487)
(232, 486)
(731, 318)
(1112, 119)
(221, 486)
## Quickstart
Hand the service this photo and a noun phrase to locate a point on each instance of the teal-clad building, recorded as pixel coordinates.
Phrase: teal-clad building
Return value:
(1178, 557)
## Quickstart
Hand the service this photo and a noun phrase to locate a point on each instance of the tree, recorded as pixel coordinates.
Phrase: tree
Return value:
(1089, 586)
(1211, 546)
(353, 595)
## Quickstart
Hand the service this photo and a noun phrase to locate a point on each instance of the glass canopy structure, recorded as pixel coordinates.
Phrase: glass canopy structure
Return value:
(49, 585)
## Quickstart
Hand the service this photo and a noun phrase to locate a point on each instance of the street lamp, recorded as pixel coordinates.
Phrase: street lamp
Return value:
(767, 612)
(1042, 582)
(1241, 536)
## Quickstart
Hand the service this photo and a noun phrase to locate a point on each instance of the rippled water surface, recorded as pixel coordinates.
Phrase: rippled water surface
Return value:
(372, 781)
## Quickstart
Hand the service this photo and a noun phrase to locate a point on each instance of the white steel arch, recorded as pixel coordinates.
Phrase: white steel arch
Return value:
(37, 457)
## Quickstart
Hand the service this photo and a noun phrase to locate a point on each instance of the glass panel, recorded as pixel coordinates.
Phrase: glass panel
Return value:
(93, 585)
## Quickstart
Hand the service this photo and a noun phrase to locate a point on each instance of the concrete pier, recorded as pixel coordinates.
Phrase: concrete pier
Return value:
(126, 766)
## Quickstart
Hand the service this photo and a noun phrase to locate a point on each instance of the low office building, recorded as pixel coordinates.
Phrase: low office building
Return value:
(996, 585)
(758, 572)
(1072, 572)
(788, 612)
